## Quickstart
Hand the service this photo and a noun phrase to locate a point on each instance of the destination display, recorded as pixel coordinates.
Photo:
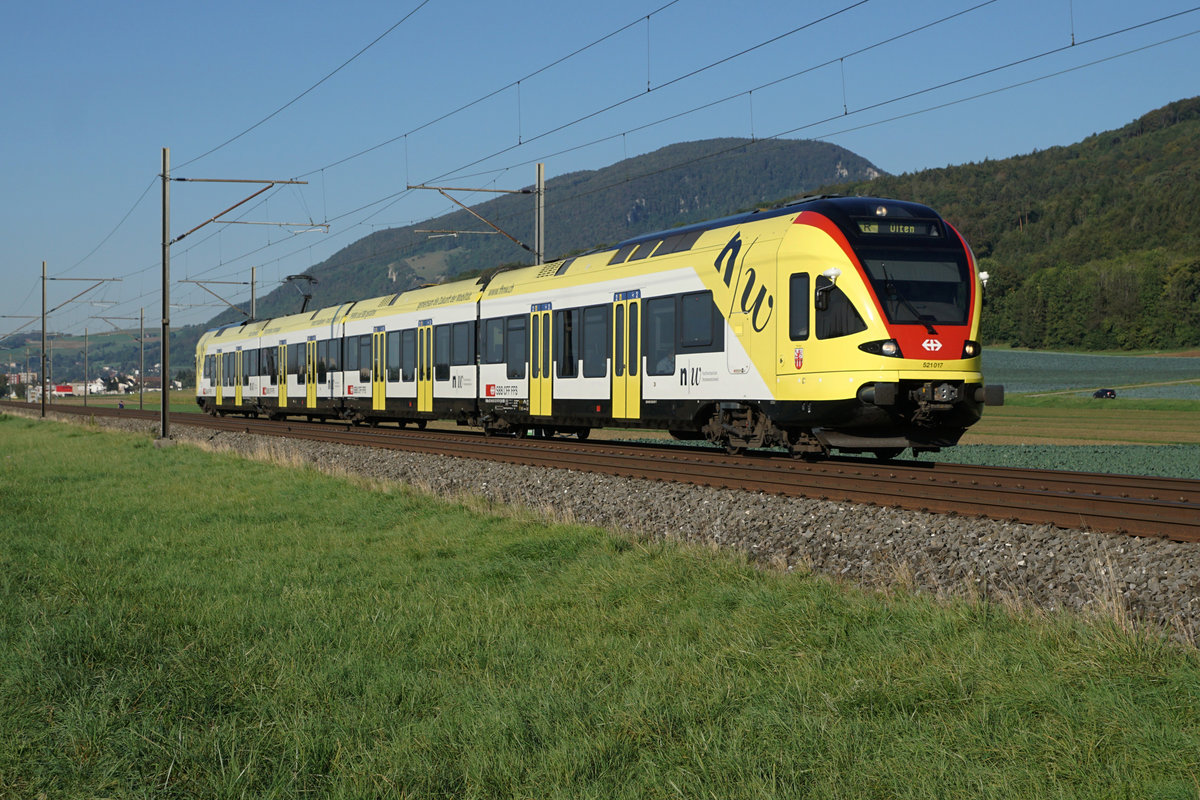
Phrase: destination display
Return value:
(898, 227)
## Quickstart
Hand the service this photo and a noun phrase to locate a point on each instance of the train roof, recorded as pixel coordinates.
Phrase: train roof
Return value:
(839, 205)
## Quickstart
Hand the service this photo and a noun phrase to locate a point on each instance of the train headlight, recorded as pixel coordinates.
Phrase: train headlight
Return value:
(971, 349)
(885, 347)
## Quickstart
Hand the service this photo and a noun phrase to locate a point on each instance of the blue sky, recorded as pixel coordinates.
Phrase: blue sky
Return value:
(94, 91)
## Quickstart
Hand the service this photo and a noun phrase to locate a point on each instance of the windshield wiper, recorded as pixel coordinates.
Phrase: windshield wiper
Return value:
(892, 292)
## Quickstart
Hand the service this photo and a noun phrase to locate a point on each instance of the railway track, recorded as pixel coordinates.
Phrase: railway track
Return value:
(1140, 506)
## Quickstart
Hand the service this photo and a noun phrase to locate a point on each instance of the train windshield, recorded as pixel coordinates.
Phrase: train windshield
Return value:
(926, 289)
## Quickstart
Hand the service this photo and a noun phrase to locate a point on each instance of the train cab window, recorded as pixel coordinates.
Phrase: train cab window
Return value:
(393, 356)
(566, 342)
(209, 368)
(441, 353)
(364, 357)
(595, 341)
(408, 355)
(493, 341)
(461, 351)
(839, 317)
(660, 336)
(798, 307)
(516, 346)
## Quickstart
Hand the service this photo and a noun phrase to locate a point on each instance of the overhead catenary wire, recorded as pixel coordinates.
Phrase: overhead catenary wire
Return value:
(390, 199)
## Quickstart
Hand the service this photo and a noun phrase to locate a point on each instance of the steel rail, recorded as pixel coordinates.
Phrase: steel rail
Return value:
(1136, 505)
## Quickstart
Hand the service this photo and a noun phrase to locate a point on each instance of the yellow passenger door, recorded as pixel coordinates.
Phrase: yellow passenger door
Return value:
(541, 370)
(310, 372)
(237, 377)
(627, 356)
(425, 366)
(378, 369)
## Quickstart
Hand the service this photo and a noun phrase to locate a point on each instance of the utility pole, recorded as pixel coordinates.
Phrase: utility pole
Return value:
(167, 241)
(141, 356)
(165, 354)
(539, 222)
(85, 367)
(43, 372)
(253, 286)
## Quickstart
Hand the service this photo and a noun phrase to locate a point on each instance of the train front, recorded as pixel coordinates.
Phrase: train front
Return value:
(885, 341)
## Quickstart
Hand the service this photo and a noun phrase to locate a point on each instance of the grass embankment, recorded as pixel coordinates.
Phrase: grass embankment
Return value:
(181, 623)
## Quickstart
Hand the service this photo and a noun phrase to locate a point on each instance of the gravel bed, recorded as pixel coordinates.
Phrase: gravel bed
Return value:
(1139, 582)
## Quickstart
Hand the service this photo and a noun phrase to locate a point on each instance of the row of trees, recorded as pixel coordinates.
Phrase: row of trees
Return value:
(1111, 304)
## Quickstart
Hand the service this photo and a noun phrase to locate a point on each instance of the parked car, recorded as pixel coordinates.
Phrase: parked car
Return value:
(1105, 393)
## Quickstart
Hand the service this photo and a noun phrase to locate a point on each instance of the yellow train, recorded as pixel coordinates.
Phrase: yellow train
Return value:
(834, 323)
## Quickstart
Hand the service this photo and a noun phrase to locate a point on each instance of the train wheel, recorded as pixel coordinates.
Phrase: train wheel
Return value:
(734, 449)
(582, 433)
(421, 424)
(887, 453)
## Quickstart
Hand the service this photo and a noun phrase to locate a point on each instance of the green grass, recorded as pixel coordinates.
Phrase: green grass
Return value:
(176, 623)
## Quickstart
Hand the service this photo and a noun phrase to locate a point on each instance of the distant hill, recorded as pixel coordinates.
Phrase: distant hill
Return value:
(676, 185)
(1092, 246)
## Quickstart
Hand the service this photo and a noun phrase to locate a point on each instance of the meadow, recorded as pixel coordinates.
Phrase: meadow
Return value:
(179, 623)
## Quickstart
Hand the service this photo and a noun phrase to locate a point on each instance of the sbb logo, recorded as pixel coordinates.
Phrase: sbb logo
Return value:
(490, 391)
(932, 345)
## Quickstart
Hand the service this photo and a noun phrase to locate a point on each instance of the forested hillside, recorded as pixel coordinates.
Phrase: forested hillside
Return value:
(1092, 246)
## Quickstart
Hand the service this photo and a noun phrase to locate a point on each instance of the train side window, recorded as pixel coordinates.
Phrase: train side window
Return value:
(322, 361)
(295, 364)
(839, 317)
(660, 336)
(493, 341)
(393, 356)
(696, 320)
(516, 346)
(332, 357)
(566, 342)
(595, 341)
(798, 307)
(408, 355)
(350, 354)
(441, 353)
(460, 345)
(269, 365)
(364, 357)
